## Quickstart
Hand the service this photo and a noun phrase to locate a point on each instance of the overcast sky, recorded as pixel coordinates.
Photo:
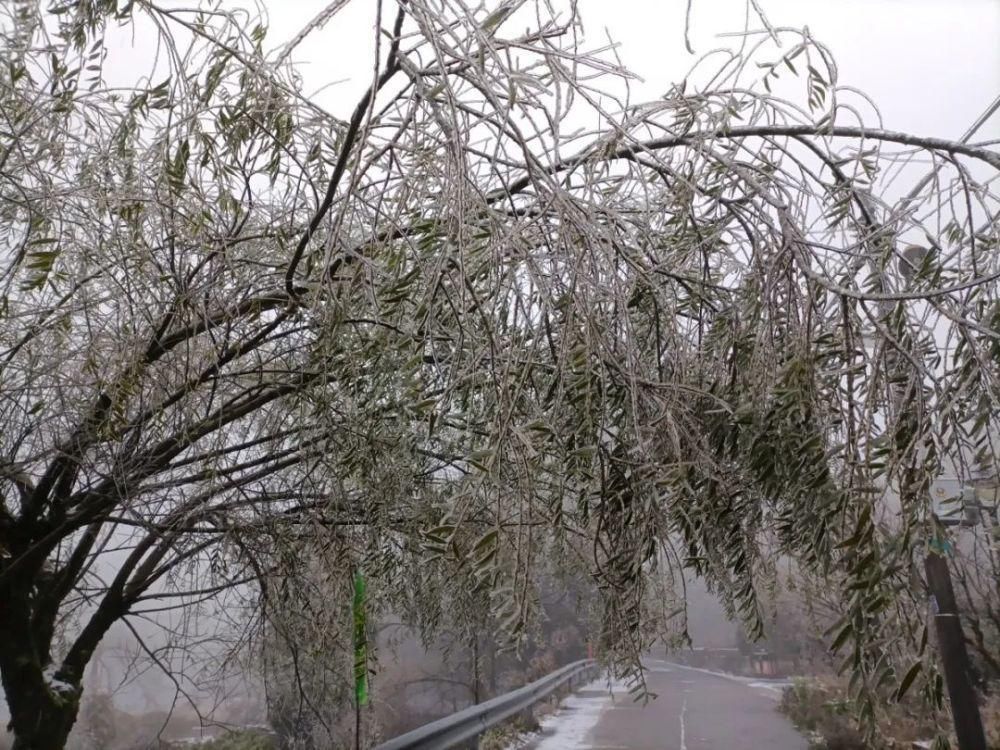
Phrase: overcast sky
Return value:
(931, 65)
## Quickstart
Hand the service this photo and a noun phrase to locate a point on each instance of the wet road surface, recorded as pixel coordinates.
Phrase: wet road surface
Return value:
(694, 710)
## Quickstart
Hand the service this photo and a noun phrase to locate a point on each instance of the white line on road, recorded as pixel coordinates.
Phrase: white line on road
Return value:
(684, 706)
(774, 688)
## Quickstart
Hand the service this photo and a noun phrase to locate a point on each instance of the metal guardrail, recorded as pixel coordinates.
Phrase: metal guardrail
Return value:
(473, 721)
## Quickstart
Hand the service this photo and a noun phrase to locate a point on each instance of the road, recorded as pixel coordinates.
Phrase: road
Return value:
(694, 710)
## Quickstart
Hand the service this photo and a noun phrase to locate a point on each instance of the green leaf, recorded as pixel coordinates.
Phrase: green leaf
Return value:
(487, 540)
(908, 679)
(842, 637)
(40, 262)
(177, 167)
(497, 17)
(442, 532)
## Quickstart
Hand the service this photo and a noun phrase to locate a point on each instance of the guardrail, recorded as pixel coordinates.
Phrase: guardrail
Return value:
(469, 723)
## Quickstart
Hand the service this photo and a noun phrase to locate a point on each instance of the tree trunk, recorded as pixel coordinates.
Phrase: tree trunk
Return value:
(42, 708)
(43, 721)
(42, 711)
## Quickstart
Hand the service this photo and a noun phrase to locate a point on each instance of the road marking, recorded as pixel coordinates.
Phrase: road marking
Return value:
(684, 706)
(773, 688)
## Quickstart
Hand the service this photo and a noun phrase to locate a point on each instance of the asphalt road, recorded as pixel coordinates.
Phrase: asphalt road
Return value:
(694, 710)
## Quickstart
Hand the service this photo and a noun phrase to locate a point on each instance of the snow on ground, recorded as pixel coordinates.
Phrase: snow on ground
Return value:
(576, 716)
(775, 686)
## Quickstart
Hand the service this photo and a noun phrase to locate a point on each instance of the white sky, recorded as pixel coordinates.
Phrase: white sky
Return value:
(931, 65)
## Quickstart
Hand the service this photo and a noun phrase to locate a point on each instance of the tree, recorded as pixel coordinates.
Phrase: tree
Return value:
(245, 343)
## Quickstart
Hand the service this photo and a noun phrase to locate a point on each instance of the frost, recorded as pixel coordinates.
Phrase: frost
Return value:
(57, 685)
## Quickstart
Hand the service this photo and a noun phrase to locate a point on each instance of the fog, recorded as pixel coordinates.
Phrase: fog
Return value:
(932, 67)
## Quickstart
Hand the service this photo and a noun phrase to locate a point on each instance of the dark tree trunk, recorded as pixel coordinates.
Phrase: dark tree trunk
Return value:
(43, 702)
(42, 708)
(43, 719)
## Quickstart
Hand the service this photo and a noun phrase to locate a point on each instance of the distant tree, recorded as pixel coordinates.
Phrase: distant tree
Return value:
(246, 346)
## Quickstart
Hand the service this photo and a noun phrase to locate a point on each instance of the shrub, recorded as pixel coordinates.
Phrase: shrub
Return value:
(816, 710)
(508, 733)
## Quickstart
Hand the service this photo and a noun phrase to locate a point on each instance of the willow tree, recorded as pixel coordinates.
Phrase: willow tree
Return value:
(247, 345)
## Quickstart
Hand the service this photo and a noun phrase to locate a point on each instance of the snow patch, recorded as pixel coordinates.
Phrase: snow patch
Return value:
(657, 666)
(57, 685)
(578, 714)
(776, 686)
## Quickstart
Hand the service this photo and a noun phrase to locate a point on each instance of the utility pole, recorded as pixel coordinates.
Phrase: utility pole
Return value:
(954, 657)
(951, 641)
